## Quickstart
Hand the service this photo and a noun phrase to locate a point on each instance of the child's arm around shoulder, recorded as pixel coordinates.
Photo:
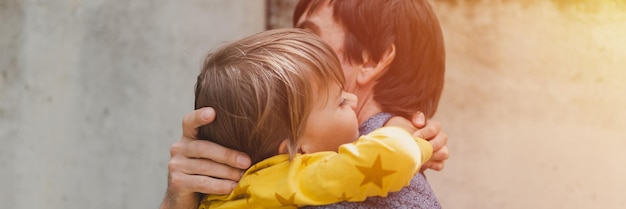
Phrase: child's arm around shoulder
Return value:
(399, 136)
(377, 163)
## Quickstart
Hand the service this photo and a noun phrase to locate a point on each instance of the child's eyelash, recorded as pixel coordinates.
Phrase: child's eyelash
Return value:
(343, 102)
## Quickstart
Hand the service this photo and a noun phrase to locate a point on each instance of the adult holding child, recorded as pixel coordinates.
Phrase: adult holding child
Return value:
(393, 59)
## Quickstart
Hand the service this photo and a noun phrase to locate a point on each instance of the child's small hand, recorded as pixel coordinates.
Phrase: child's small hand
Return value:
(402, 123)
(429, 130)
(439, 139)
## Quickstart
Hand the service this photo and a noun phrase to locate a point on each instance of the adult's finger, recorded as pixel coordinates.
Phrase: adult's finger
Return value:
(212, 151)
(204, 167)
(195, 119)
(208, 185)
(201, 184)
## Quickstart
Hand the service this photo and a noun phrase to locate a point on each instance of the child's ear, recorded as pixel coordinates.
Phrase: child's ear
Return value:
(371, 69)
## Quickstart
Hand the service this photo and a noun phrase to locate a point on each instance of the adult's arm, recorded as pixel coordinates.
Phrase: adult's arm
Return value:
(200, 166)
(429, 130)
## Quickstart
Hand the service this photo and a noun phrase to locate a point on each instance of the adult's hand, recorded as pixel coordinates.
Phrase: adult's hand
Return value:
(200, 166)
(431, 131)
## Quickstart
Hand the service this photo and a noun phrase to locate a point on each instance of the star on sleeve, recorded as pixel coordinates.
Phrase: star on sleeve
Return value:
(344, 197)
(305, 160)
(375, 173)
(284, 201)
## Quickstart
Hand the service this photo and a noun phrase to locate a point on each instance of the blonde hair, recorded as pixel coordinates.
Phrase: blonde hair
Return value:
(262, 88)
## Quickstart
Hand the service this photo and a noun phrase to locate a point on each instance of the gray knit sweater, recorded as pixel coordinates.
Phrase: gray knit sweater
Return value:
(417, 195)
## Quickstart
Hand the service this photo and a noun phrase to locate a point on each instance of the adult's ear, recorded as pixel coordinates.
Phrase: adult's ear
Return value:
(371, 70)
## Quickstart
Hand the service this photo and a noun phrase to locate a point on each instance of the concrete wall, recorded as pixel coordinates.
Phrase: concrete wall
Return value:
(92, 94)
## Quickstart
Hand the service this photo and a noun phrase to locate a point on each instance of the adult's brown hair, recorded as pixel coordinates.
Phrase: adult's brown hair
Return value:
(414, 80)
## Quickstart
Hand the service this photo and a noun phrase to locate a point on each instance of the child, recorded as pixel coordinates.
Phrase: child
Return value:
(278, 97)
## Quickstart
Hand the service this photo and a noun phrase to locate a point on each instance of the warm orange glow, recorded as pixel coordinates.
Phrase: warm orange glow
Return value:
(534, 102)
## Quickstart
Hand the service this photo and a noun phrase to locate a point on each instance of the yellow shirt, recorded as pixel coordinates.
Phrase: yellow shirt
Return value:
(377, 163)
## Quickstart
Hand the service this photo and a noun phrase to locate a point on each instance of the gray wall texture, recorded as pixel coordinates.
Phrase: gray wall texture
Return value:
(92, 94)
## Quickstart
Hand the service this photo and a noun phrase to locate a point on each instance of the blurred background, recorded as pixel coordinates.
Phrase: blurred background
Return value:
(92, 94)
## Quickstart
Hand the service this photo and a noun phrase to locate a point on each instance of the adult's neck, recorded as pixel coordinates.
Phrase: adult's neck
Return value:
(366, 106)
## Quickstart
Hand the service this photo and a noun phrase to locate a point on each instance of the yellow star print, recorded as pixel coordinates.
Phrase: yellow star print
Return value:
(284, 201)
(243, 192)
(375, 173)
(305, 160)
(344, 197)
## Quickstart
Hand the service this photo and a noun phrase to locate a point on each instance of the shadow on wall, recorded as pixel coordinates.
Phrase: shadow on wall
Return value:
(11, 18)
